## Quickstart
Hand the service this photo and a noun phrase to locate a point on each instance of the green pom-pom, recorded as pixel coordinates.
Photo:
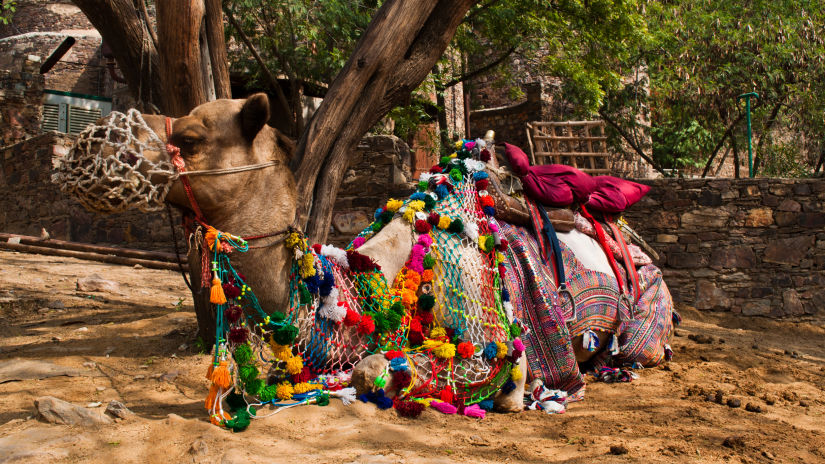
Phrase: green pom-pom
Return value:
(235, 401)
(377, 226)
(456, 174)
(429, 202)
(285, 334)
(398, 308)
(385, 217)
(515, 330)
(380, 382)
(462, 168)
(242, 354)
(267, 393)
(429, 261)
(248, 373)
(489, 243)
(423, 186)
(277, 316)
(254, 387)
(380, 321)
(445, 160)
(393, 321)
(304, 297)
(456, 226)
(240, 422)
(426, 302)
(322, 399)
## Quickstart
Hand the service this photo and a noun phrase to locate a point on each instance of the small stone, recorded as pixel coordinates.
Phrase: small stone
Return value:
(710, 398)
(734, 403)
(100, 389)
(118, 409)
(96, 404)
(183, 347)
(57, 411)
(82, 329)
(56, 304)
(56, 339)
(618, 450)
(704, 358)
(198, 448)
(169, 376)
(734, 442)
(95, 283)
(803, 403)
(769, 400)
(139, 377)
(768, 455)
(719, 397)
(755, 346)
(678, 333)
(138, 266)
(750, 407)
(90, 364)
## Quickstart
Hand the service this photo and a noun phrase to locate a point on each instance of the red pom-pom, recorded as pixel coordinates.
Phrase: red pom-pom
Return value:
(393, 354)
(426, 317)
(401, 379)
(238, 335)
(482, 184)
(231, 291)
(351, 318)
(502, 270)
(304, 376)
(233, 314)
(436, 169)
(422, 226)
(433, 218)
(415, 325)
(484, 155)
(367, 325)
(361, 263)
(415, 338)
(465, 349)
(486, 200)
(502, 246)
(410, 409)
(317, 248)
(446, 395)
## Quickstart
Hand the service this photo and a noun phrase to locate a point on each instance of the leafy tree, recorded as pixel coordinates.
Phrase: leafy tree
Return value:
(7, 9)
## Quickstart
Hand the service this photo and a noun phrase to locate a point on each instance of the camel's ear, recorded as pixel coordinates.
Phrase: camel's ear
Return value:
(254, 114)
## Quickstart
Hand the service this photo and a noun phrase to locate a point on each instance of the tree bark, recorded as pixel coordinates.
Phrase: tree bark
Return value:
(130, 40)
(630, 141)
(217, 48)
(179, 28)
(735, 156)
(395, 54)
(766, 133)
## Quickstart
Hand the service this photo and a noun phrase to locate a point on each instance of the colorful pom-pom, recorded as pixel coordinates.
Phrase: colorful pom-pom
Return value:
(285, 334)
(438, 332)
(456, 226)
(501, 350)
(427, 276)
(434, 219)
(351, 318)
(294, 365)
(486, 405)
(411, 409)
(515, 330)
(393, 205)
(238, 335)
(367, 325)
(284, 391)
(428, 262)
(427, 317)
(232, 314)
(426, 302)
(242, 354)
(446, 395)
(466, 349)
(484, 155)
(515, 374)
(482, 184)
(508, 387)
(490, 351)
(445, 351)
(436, 169)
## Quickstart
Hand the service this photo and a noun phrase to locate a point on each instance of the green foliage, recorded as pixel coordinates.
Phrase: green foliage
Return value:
(7, 9)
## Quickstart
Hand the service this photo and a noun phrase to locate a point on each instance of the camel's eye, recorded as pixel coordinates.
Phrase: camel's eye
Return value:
(187, 142)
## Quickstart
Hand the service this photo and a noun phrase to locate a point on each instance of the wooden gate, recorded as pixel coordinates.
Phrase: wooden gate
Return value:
(581, 144)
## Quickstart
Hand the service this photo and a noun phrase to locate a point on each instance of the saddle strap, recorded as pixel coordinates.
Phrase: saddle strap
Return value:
(547, 237)
(603, 243)
(632, 275)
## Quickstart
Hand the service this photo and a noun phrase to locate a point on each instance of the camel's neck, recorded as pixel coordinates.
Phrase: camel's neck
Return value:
(268, 206)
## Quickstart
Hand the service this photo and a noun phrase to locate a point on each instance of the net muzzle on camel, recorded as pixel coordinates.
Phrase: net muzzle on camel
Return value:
(121, 163)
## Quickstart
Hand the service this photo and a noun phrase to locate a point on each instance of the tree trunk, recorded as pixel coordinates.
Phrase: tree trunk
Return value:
(395, 54)
(130, 40)
(179, 32)
(735, 156)
(216, 42)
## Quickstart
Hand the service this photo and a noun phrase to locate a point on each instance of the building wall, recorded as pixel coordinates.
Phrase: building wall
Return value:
(749, 246)
(21, 97)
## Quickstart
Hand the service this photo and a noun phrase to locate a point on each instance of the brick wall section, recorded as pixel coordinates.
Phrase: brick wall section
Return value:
(749, 246)
(21, 96)
(29, 201)
(379, 170)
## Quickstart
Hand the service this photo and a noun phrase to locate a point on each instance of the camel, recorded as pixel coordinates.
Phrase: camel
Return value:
(233, 133)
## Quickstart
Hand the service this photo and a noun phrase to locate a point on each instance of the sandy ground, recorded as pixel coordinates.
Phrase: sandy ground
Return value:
(141, 344)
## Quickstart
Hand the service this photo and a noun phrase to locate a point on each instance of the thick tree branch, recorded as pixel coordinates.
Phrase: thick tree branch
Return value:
(766, 133)
(719, 144)
(481, 70)
(630, 141)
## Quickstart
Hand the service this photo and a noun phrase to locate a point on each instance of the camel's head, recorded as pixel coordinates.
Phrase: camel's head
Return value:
(123, 160)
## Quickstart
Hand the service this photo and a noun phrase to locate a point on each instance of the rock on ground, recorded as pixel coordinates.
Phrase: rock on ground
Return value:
(95, 283)
(57, 411)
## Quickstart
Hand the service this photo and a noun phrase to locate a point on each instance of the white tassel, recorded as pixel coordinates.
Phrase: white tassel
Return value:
(508, 310)
(471, 230)
(613, 347)
(347, 395)
(425, 177)
(331, 309)
(480, 143)
(337, 255)
(474, 165)
(590, 341)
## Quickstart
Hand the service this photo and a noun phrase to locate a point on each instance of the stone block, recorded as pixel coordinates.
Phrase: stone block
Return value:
(350, 223)
(786, 218)
(709, 296)
(733, 257)
(789, 205)
(686, 260)
(760, 217)
(756, 308)
(666, 238)
(788, 250)
(705, 217)
(802, 189)
(813, 220)
(750, 191)
(791, 303)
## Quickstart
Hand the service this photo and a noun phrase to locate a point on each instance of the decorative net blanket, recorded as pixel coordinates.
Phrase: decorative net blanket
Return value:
(108, 169)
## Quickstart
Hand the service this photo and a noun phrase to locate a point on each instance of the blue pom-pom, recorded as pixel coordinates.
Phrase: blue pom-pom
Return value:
(508, 387)
(399, 364)
(490, 351)
(312, 283)
(418, 196)
(380, 400)
(480, 175)
(441, 191)
(326, 286)
(505, 294)
(364, 398)
(486, 405)
(489, 210)
(378, 213)
(677, 319)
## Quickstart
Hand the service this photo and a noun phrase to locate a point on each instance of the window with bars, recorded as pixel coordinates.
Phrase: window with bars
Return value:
(71, 113)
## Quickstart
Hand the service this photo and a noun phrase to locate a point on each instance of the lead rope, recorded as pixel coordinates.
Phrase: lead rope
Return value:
(177, 249)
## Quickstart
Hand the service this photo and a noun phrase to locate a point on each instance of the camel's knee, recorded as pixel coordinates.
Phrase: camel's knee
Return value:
(582, 355)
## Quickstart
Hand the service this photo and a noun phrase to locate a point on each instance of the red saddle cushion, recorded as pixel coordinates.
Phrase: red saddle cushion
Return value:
(614, 195)
(550, 184)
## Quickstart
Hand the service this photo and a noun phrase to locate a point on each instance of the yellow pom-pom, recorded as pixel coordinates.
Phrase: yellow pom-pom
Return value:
(409, 215)
(294, 365)
(221, 376)
(281, 352)
(284, 391)
(438, 332)
(444, 221)
(501, 350)
(499, 257)
(307, 265)
(408, 297)
(294, 240)
(515, 374)
(459, 144)
(454, 155)
(446, 351)
(307, 387)
(416, 205)
(393, 205)
(482, 243)
(211, 236)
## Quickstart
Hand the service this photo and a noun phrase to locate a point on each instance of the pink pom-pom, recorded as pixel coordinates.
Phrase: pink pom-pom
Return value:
(445, 408)
(493, 227)
(474, 411)
(358, 241)
(469, 145)
(426, 241)
(518, 345)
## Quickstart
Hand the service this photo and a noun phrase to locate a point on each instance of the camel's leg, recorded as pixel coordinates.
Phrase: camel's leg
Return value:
(513, 401)
(204, 310)
(366, 371)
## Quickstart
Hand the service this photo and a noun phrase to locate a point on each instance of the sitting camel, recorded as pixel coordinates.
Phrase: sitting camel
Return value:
(253, 193)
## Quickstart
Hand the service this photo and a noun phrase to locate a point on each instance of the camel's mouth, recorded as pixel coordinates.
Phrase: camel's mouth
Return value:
(119, 163)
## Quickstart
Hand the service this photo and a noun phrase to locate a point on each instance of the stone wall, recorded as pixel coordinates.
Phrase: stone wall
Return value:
(379, 170)
(21, 96)
(749, 246)
(29, 201)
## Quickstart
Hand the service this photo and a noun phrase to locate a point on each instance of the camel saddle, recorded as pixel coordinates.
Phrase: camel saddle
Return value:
(512, 208)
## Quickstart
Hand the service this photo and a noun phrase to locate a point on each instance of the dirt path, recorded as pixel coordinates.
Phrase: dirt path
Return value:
(137, 347)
